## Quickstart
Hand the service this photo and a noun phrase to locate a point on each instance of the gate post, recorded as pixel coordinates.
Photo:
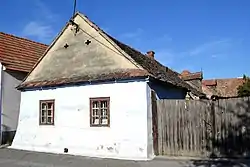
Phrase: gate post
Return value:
(154, 122)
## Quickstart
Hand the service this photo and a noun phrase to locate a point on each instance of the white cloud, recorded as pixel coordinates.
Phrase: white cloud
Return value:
(135, 34)
(41, 28)
(214, 55)
(209, 46)
(40, 31)
(164, 38)
(45, 11)
(165, 56)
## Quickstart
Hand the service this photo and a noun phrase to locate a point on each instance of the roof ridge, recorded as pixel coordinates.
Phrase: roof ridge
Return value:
(107, 37)
(100, 29)
(140, 54)
(159, 63)
(222, 79)
(161, 66)
(146, 57)
(22, 38)
(112, 38)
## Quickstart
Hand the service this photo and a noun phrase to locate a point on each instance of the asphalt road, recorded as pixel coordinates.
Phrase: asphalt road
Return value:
(17, 158)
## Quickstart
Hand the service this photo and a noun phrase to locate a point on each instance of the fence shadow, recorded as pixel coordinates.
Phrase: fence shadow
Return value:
(220, 163)
(233, 149)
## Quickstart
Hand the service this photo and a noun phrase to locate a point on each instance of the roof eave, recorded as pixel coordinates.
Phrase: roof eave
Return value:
(55, 85)
(17, 69)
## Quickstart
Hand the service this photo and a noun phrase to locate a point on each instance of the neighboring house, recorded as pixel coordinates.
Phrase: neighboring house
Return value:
(193, 79)
(90, 95)
(17, 57)
(222, 88)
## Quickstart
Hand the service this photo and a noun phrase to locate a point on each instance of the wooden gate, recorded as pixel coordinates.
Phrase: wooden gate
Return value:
(183, 129)
(203, 128)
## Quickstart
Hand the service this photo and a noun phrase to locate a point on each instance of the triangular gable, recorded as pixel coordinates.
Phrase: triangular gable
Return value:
(133, 64)
(69, 56)
(107, 37)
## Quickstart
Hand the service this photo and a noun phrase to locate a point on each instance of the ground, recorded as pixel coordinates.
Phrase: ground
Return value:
(17, 158)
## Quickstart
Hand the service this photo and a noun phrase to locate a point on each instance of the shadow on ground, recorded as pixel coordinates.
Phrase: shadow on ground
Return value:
(231, 143)
(220, 163)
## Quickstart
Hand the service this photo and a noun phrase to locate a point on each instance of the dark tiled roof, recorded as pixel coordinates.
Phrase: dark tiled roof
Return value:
(18, 53)
(223, 87)
(155, 68)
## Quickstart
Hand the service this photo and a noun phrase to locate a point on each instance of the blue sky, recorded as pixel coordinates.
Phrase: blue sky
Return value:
(212, 35)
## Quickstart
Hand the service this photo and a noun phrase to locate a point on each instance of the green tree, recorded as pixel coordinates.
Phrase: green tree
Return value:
(244, 89)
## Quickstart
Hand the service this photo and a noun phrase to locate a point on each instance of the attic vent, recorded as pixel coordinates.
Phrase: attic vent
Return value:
(66, 46)
(87, 42)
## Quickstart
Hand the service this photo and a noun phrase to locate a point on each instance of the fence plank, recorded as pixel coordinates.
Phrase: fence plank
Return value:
(188, 128)
(166, 127)
(160, 123)
(175, 119)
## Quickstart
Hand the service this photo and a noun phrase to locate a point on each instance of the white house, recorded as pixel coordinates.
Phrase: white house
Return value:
(90, 95)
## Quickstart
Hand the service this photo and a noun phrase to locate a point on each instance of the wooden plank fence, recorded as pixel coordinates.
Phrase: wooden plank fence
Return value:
(204, 128)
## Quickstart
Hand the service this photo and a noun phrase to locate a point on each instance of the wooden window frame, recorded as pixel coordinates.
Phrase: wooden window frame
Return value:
(91, 100)
(52, 113)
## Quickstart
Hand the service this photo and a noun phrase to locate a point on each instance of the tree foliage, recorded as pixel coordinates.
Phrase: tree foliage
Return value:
(244, 89)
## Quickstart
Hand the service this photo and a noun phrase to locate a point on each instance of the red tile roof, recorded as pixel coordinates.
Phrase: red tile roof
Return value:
(187, 75)
(18, 53)
(223, 87)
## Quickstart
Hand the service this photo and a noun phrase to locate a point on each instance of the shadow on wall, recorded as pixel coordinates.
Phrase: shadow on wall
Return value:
(7, 135)
(233, 149)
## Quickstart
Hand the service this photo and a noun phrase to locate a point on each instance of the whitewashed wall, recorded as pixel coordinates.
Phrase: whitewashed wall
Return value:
(126, 138)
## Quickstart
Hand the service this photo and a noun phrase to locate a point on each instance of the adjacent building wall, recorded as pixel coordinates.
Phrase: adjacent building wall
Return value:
(126, 138)
(167, 92)
(10, 103)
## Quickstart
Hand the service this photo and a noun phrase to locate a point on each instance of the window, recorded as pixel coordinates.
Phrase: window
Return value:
(99, 111)
(47, 111)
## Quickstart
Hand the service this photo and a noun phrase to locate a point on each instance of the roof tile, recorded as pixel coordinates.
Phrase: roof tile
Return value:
(223, 87)
(19, 53)
(155, 68)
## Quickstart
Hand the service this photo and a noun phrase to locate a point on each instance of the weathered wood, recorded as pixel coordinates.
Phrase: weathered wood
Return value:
(165, 128)
(199, 128)
(154, 122)
(160, 131)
